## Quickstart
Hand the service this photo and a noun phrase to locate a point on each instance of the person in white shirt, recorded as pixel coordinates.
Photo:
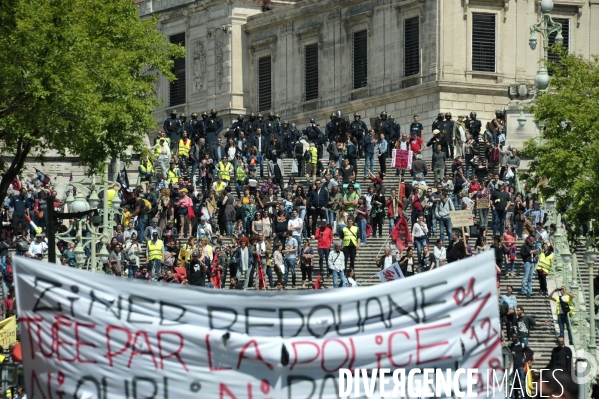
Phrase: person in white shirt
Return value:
(38, 246)
(337, 266)
(295, 227)
(350, 277)
(440, 253)
(419, 232)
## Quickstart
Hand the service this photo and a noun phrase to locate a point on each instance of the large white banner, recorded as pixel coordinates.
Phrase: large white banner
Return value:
(86, 335)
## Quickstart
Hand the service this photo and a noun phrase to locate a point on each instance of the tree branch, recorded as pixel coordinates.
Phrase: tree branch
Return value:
(23, 148)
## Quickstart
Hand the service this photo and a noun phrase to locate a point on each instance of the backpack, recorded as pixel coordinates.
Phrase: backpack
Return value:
(148, 205)
(565, 307)
(299, 149)
(369, 231)
(307, 155)
(512, 253)
(9, 276)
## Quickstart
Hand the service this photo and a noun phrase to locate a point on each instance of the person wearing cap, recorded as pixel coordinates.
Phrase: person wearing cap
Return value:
(154, 254)
(37, 246)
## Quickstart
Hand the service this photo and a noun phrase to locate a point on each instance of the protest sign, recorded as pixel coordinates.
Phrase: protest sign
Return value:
(461, 218)
(401, 159)
(482, 204)
(390, 273)
(96, 336)
(8, 332)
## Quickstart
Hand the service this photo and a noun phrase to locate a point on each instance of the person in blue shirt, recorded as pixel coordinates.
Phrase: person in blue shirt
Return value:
(369, 152)
(382, 154)
(512, 302)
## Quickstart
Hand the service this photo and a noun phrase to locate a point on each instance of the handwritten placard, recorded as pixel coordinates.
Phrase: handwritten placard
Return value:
(99, 336)
(401, 159)
(461, 218)
(482, 204)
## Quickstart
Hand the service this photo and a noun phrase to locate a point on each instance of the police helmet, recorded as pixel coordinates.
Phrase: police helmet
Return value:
(182, 116)
(194, 115)
(271, 114)
(358, 115)
(240, 117)
(312, 120)
(332, 115)
(260, 116)
(339, 114)
(252, 115)
(383, 115)
(277, 116)
(448, 114)
(204, 113)
(391, 117)
(473, 115)
(285, 122)
(440, 115)
(174, 112)
(213, 111)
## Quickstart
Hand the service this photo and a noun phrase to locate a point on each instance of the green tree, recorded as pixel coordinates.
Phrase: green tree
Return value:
(77, 77)
(566, 157)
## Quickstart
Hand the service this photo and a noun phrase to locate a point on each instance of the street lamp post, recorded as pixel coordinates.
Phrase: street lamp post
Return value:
(591, 258)
(545, 26)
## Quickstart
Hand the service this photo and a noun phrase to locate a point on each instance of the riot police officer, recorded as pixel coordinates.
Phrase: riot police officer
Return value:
(315, 135)
(474, 126)
(214, 125)
(437, 122)
(341, 127)
(394, 134)
(272, 127)
(250, 127)
(329, 129)
(195, 128)
(239, 123)
(288, 138)
(447, 126)
(358, 129)
(261, 123)
(173, 128)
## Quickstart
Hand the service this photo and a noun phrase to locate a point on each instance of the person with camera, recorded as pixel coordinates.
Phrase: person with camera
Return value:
(564, 310)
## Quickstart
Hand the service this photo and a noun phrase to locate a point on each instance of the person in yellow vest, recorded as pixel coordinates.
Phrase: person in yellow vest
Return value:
(350, 242)
(564, 310)
(162, 153)
(240, 174)
(173, 173)
(146, 170)
(154, 253)
(311, 164)
(219, 185)
(111, 193)
(184, 148)
(224, 169)
(544, 266)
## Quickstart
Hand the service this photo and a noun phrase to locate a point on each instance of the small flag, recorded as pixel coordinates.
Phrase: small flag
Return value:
(318, 282)
(401, 234)
(42, 177)
(215, 273)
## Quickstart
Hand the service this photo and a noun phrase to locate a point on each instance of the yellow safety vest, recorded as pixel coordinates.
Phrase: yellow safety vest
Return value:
(147, 169)
(110, 196)
(241, 174)
(184, 148)
(350, 235)
(155, 250)
(223, 170)
(314, 157)
(544, 263)
(158, 150)
(219, 187)
(173, 176)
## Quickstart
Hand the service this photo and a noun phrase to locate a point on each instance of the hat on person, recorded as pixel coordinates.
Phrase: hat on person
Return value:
(460, 117)
(195, 254)
(184, 190)
(155, 233)
(323, 221)
(436, 131)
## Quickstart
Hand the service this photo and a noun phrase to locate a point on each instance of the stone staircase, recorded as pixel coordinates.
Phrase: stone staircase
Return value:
(583, 282)
(542, 337)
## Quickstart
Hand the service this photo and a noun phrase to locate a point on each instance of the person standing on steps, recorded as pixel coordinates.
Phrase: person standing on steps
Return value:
(544, 266)
(564, 311)
(369, 152)
(525, 323)
(324, 236)
(336, 264)
(351, 243)
(528, 255)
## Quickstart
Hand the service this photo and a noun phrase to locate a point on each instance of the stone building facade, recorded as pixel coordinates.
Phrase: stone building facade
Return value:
(301, 59)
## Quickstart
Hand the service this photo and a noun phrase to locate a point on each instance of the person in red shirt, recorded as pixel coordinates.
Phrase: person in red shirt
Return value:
(9, 303)
(416, 143)
(324, 236)
(474, 185)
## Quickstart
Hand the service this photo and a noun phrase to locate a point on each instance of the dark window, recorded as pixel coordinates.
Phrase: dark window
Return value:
(176, 93)
(360, 63)
(483, 42)
(264, 83)
(411, 49)
(311, 70)
(566, 43)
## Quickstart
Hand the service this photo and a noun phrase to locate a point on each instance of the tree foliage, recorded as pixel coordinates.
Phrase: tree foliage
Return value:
(77, 77)
(566, 158)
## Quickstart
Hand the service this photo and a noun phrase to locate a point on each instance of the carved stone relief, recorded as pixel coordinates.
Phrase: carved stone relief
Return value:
(199, 67)
(219, 58)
